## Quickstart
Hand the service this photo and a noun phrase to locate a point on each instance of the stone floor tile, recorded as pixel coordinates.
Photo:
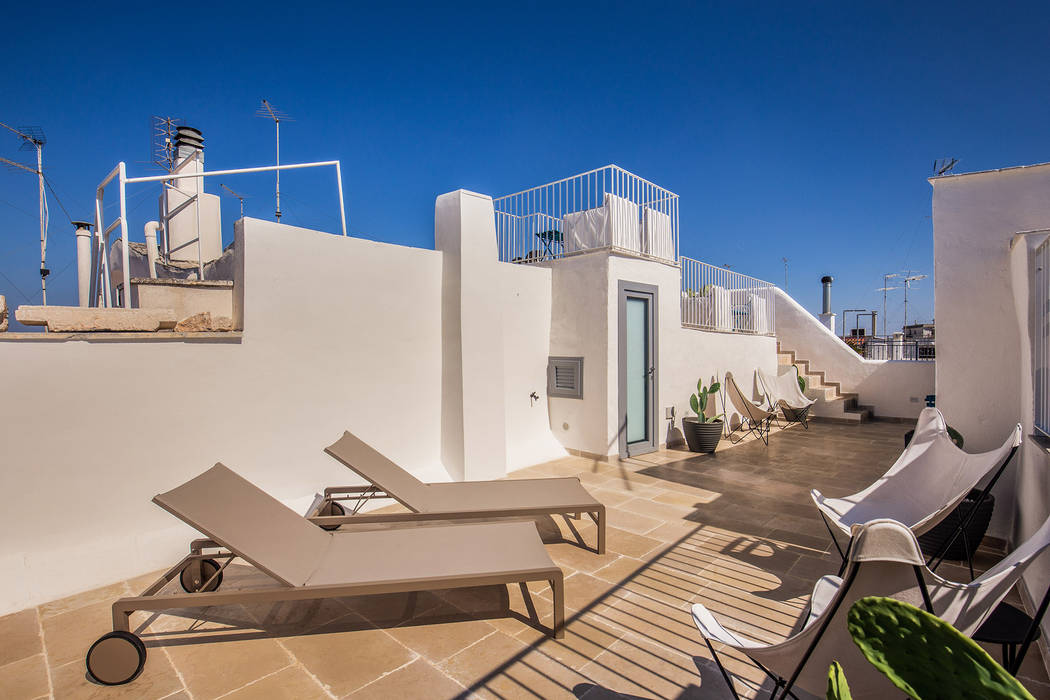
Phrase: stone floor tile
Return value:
(418, 679)
(292, 683)
(68, 635)
(213, 668)
(344, 661)
(80, 600)
(636, 666)
(24, 679)
(486, 658)
(157, 680)
(20, 633)
(437, 642)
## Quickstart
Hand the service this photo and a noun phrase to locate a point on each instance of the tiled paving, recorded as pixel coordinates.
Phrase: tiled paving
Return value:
(735, 531)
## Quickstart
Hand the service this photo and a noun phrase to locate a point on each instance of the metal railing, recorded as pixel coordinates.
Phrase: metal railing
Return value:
(1041, 338)
(606, 208)
(101, 293)
(878, 348)
(717, 299)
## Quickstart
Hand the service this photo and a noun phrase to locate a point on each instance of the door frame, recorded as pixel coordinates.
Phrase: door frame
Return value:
(624, 290)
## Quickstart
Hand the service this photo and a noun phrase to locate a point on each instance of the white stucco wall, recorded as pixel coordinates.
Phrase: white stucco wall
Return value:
(985, 328)
(585, 322)
(895, 389)
(339, 333)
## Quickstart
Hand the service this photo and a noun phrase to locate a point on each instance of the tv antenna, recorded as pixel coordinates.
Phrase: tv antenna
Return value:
(944, 166)
(163, 152)
(785, 273)
(238, 196)
(886, 288)
(908, 279)
(33, 139)
(267, 111)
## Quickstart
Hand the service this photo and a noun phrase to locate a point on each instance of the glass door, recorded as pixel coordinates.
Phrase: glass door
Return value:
(637, 353)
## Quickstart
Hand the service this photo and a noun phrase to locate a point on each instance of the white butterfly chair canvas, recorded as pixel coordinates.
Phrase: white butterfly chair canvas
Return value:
(783, 392)
(753, 418)
(884, 561)
(930, 478)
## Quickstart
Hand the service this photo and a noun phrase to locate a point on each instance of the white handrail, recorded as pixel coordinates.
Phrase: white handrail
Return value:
(101, 271)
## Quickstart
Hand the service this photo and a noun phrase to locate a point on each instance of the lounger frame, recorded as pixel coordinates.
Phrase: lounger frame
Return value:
(148, 600)
(360, 495)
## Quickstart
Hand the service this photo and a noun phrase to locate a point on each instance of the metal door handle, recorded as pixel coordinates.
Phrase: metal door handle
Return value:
(651, 372)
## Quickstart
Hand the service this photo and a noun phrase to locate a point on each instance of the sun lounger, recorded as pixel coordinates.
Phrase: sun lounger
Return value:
(753, 418)
(458, 500)
(306, 562)
(885, 561)
(930, 478)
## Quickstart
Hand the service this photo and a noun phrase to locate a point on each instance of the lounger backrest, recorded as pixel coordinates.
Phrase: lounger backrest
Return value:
(932, 475)
(967, 605)
(755, 413)
(250, 523)
(883, 562)
(768, 387)
(376, 468)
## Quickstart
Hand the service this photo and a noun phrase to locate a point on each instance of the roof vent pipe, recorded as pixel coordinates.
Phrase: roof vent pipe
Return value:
(152, 252)
(826, 316)
(83, 234)
(826, 281)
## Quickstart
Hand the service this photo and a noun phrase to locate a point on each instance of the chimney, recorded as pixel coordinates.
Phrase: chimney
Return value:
(83, 234)
(826, 316)
(183, 241)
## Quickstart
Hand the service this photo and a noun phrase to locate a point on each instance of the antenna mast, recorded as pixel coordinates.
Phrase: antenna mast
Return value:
(238, 196)
(267, 111)
(785, 273)
(908, 279)
(33, 138)
(886, 288)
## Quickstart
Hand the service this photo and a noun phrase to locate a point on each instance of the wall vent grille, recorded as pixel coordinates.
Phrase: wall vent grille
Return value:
(565, 377)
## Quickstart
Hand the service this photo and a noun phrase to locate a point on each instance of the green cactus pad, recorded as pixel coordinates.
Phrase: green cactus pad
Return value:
(925, 656)
(838, 688)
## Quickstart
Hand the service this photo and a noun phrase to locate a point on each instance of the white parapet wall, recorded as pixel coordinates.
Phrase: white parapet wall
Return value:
(339, 333)
(986, 325)
(894, 388)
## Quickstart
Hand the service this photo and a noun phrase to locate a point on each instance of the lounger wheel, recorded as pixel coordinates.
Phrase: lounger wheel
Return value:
(332, 509)
(197, 573)
(116, 658)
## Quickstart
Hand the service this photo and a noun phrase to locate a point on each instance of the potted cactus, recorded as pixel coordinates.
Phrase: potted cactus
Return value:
(702, 433)
(922, 655)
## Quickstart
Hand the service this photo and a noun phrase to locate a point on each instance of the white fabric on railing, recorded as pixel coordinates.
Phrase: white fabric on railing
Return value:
(623, 223)
(659, 241)
(759, 317)
(584, 230)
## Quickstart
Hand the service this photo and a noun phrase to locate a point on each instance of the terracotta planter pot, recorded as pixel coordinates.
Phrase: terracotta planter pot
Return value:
(702, 437)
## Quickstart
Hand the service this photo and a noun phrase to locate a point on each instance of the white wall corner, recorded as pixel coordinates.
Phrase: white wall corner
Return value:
(474, 443)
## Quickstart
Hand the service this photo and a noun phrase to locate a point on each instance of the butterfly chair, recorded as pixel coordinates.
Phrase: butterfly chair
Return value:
(753, 418)
(930, 478)
(885, 560)
(783, 392)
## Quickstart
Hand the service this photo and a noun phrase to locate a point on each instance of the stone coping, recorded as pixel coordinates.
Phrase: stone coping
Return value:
(174, 282)
(118, 336)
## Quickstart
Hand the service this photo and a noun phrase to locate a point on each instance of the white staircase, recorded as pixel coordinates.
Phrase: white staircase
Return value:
(832, 403)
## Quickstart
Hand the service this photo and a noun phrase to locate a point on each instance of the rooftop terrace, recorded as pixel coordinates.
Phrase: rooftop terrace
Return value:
(734, 530)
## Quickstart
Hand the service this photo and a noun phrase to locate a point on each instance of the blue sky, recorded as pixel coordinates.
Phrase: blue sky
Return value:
(798, 130)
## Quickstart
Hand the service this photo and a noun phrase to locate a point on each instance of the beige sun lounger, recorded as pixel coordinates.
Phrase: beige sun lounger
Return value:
(306, 562)
(445, 501)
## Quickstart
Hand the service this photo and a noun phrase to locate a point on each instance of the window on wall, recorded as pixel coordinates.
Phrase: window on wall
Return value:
(1041, 337)
(565, 377)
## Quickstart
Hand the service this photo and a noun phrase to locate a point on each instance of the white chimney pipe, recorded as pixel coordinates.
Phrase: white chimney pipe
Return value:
(152, 252)
(83, 234)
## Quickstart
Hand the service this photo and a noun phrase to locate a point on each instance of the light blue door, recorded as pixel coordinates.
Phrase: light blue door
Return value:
(637, 356)
(638, 364)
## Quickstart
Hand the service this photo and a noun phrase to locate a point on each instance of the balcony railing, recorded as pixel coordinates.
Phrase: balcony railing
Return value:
(717, 299)
(878, 348)
(607, 208)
